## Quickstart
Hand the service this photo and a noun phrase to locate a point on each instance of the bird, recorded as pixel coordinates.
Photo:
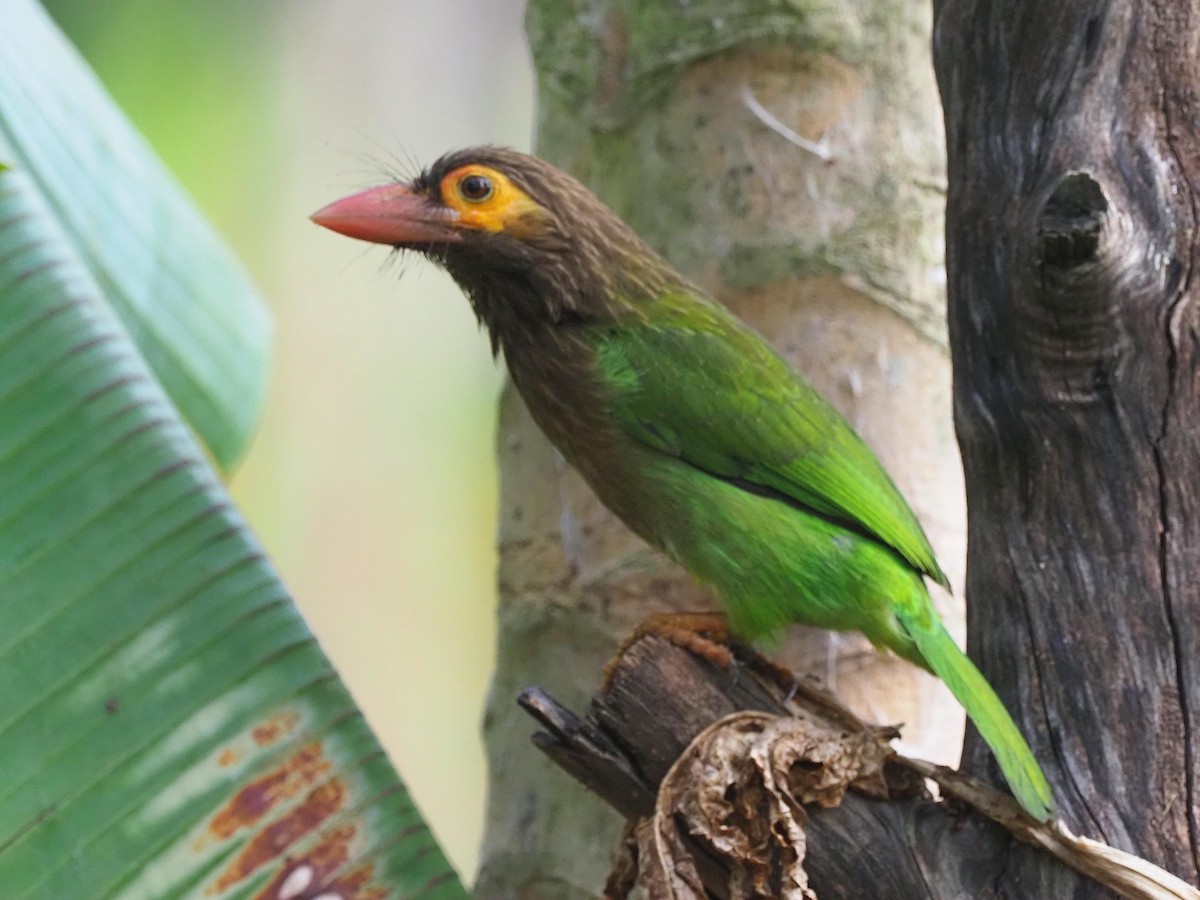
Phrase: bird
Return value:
(683, 420)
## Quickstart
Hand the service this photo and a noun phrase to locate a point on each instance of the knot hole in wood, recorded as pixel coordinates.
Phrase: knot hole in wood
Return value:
(1072, 341)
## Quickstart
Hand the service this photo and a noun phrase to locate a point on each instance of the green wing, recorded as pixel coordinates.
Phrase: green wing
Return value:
(691, 380)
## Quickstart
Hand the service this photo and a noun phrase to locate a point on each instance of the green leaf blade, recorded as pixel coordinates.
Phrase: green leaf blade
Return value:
(176, 289)
(169, 727)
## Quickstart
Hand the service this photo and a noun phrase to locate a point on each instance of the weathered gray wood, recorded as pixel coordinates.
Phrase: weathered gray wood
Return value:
(1071, 241)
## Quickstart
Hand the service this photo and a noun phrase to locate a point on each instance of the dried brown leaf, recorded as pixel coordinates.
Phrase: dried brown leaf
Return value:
(740, 788)
(622, 879)
(672, 868)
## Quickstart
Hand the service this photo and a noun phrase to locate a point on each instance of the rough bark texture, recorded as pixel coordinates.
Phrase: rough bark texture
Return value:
(901, 848)
(1073, 166)
(838, 263)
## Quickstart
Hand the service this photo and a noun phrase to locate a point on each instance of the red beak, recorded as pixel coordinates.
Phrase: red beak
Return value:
(390, 214)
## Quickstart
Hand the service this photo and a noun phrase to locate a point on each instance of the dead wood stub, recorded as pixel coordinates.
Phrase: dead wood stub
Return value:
(661, 697)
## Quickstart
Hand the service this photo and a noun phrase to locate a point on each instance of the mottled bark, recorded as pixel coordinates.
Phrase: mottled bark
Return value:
(661, 108)
(1073, 167)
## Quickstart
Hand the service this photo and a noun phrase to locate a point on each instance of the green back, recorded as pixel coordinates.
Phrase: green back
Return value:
(692, 381)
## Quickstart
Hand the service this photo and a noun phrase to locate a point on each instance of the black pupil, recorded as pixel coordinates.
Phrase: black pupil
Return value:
(475, 187)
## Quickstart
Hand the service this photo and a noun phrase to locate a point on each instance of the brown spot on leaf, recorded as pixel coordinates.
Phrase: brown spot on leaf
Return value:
(228, 757)
(320, 866)
(275, 728)
(354, 885)
(321, 803)
(260, 796)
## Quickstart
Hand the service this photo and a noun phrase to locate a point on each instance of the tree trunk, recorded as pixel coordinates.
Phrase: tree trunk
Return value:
(1071, 223)
(673, 113)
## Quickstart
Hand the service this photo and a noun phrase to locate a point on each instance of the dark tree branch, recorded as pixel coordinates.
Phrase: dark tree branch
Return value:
(886, 838)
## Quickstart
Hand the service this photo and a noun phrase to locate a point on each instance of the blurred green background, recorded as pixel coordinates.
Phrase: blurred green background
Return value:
(372, 479)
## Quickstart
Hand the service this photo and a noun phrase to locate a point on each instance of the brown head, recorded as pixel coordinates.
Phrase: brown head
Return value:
(527, 243)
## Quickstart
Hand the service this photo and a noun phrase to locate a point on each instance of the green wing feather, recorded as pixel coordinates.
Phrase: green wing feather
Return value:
(692, 381)
(689, 380)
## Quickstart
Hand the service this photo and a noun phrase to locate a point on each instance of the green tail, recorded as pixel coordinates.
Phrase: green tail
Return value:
(1021, 770)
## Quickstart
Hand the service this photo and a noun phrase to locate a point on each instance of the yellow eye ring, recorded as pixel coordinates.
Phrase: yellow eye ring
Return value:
(476, 188)
(487, 200)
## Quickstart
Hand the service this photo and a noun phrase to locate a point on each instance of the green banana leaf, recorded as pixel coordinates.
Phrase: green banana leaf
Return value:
(168, 725)
(177, 290)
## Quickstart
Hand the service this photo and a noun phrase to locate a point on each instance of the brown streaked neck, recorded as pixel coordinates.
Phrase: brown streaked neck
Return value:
(598, 282)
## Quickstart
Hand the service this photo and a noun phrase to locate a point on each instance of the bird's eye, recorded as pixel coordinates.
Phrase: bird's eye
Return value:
(476, 188)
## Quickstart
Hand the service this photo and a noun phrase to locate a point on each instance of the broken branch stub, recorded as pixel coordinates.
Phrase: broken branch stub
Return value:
(726, 766)
(738, 785)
